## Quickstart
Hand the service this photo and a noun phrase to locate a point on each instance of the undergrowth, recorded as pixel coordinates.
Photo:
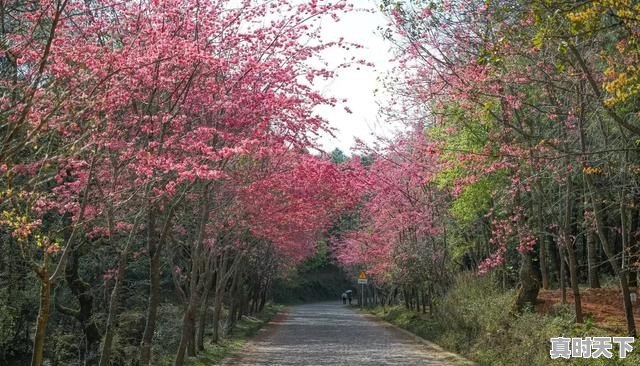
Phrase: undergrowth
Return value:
(243, 331)
(475, 319)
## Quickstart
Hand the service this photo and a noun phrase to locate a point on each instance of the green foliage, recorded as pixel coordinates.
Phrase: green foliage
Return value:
(245, 329)
(321, 283)
(337, 156)
(64, 348)
(10, 310)
(474, 319)
(475, 199)
(18, 294)
(320, 259)
(167, 336)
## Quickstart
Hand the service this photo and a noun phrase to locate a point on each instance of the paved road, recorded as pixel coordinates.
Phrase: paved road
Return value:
(331, 334)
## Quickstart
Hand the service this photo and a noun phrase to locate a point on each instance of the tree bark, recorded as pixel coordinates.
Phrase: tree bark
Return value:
(634, 250)
(542, 242)
(592, 263)
(217, 313)
(82, 291)
(152, 307)
(37, 357)
(569, 246)
(529, 285)
(187, 329)
(196, 282)
(105, 355)
(611, 256)
(202, 322)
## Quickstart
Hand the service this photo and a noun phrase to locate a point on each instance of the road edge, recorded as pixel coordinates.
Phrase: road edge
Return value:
(458, 359)
(264, 331)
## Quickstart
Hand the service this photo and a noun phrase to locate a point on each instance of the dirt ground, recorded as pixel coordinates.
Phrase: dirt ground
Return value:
(603, 304)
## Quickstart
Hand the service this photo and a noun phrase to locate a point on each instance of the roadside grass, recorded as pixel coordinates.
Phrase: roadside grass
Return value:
(246, 328)
(475, 320)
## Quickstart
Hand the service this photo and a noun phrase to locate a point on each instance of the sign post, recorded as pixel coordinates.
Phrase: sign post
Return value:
(362, 280)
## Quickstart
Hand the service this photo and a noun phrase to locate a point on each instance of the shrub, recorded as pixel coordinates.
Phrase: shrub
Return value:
(475, 319)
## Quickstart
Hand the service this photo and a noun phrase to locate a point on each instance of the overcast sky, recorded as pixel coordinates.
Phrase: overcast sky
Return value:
(357, 86)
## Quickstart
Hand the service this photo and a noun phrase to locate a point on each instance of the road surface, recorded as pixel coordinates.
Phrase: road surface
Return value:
(332, 334)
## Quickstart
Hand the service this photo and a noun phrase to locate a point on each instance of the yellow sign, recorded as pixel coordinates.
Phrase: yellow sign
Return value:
(362, 276)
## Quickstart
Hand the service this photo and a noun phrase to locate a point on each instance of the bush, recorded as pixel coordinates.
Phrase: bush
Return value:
(168, 331)
(64, 349)
(16, 316)
(475, 319)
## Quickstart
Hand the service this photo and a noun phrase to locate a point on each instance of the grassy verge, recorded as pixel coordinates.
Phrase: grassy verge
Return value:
(245, 329)
(474, 320)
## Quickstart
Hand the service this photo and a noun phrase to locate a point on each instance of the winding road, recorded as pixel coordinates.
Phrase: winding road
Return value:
(333, 334)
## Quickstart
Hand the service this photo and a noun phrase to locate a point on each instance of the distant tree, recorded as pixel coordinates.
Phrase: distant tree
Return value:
(337, 156)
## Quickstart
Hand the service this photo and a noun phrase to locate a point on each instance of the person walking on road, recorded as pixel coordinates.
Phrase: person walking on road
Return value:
(349, 296)
(344, 298)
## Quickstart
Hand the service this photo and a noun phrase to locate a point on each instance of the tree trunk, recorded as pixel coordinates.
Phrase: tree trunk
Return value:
(569, 246)
(634, 250)
(235, 303)
(105, 355)
(527, 294)
(197, 280)
(573, 273)
(187, 328)
(202, 322)
(529, 285)
(222, 273)
(154, 250)
(217, 313)
(563, 277)
(263, 296)
(37, 357)
(611, 256)
(592, 262)
(82, 291)
(152, 309)
(542, 242)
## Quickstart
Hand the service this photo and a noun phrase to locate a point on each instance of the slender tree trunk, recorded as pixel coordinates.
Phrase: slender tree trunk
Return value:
(187, 327)
(83, 314)
(222, 273)
(235, 303)
(152, 308)
(573, 273)
(611, 256)
(569, 246)
(105, 355)
(634, 250)
(217, 313)
(263, 296)
(563, 282)
(197, 279)
(202, 323)
(592, 263)
(154, 249)
(46, 281)
(430, 296)
(37, 357)
(592, 268)
(542, 242)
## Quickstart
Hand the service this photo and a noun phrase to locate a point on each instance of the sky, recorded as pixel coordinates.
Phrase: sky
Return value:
(357, 86)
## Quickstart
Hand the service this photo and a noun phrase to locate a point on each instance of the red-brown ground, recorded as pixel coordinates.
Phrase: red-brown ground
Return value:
(603, 304)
